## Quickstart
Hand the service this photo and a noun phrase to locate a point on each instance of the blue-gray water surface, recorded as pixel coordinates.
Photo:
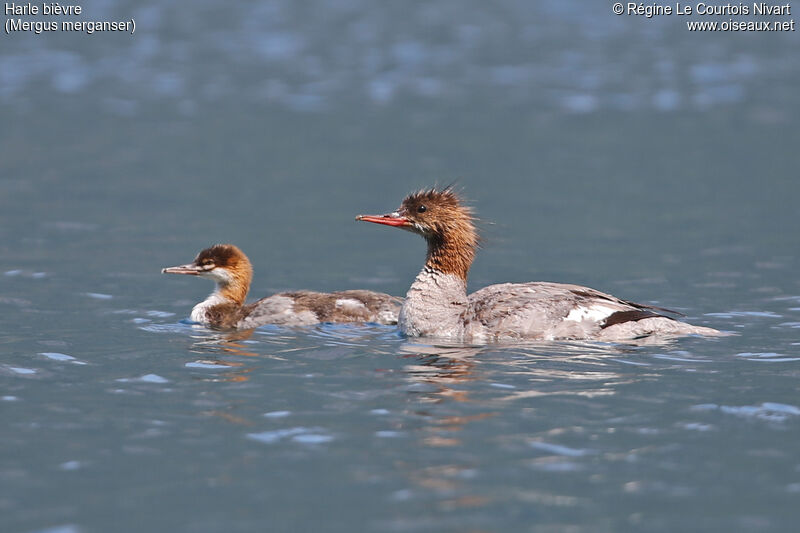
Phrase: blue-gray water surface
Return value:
(623, 153)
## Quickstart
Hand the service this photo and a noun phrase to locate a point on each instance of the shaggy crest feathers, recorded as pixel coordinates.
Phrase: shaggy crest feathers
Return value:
(447, 224)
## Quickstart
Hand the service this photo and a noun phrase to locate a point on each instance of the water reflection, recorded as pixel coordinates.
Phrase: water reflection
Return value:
(223, 343)
(437, 376)
(460, 431)
(441, 366)
(461, 395)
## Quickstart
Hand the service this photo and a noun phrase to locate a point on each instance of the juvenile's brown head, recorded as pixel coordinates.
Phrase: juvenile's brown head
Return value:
(446, 224)
(226, 264)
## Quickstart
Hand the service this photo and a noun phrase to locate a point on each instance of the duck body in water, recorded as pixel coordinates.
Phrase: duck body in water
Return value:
(225, 308)
(437, 304)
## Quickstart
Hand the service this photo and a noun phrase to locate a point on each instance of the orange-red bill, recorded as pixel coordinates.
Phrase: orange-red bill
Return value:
(388, 220)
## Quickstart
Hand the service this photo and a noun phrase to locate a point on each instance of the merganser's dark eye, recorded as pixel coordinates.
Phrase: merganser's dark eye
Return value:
(421, 209)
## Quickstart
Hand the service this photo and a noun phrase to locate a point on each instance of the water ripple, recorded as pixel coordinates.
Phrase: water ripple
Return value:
(768, 411)
(558, 449)
(302, 435)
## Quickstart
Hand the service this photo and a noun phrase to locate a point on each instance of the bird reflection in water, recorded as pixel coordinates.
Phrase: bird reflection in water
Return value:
(437, 375)
(454, 393)
(228, 343)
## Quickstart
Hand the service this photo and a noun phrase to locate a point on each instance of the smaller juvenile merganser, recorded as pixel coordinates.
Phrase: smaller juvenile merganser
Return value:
(230, 268)
(437, 304)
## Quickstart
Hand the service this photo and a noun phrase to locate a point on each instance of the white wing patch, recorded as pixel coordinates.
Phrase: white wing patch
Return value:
(594, 313)
(350, 304)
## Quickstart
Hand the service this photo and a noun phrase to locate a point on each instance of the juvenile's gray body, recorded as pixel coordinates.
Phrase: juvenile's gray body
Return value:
(303, 308)
(225, 308)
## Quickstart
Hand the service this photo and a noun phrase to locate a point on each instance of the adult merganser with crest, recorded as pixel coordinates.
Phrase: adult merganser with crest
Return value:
(230, 268)
(437, 304)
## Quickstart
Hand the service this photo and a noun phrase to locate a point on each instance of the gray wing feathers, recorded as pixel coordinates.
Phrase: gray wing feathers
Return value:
(555, 310)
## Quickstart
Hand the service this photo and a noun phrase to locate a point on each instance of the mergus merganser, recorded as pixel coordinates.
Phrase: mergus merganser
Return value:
(230, 268)
(437, 304)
